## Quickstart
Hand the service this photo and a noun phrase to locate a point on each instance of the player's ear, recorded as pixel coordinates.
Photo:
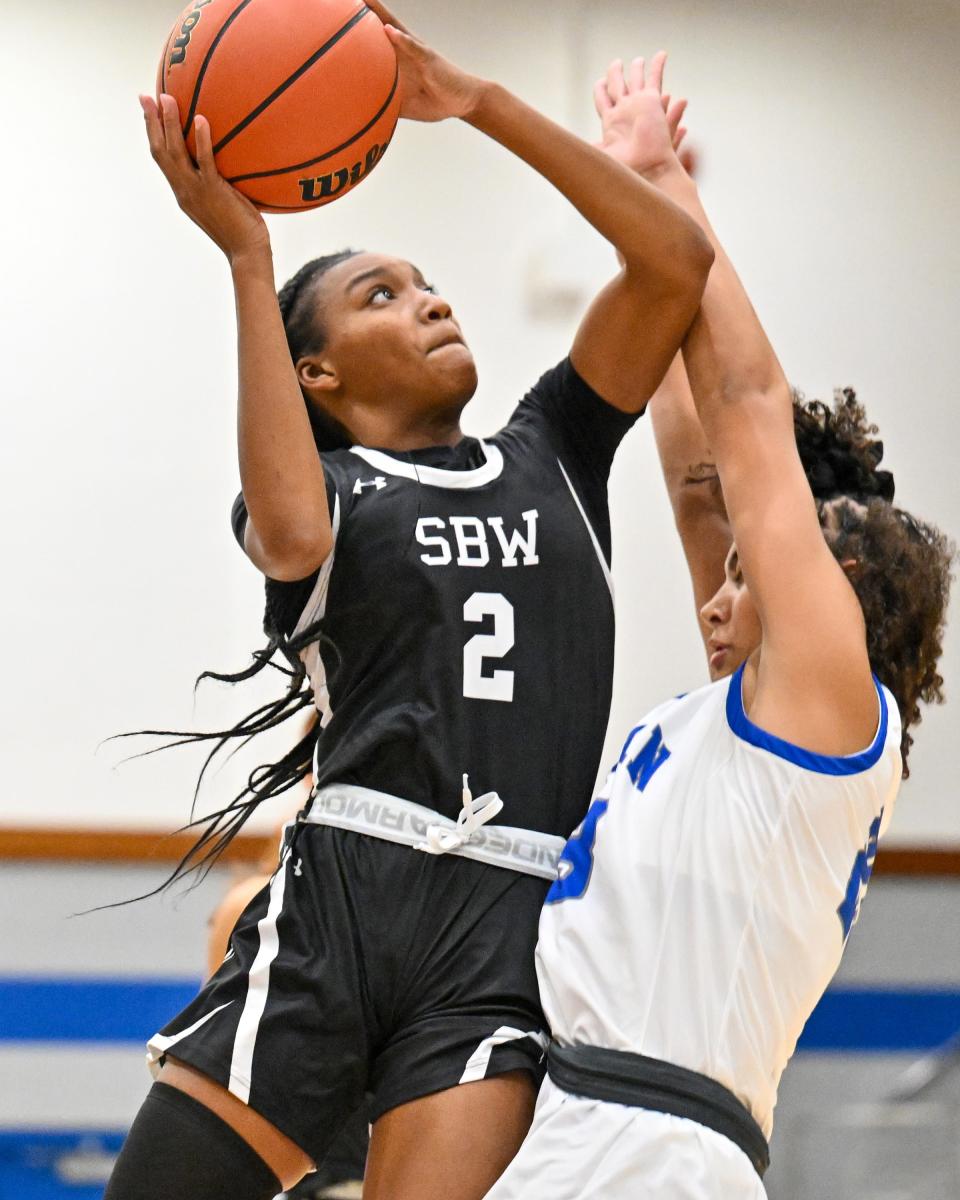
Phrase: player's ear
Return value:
(317, 374)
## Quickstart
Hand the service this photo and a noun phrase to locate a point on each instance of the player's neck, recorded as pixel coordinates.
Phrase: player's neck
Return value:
(441, 434)
(748, 683)
(413, 431)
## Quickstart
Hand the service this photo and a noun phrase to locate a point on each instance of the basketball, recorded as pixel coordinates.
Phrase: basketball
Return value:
(302, 96)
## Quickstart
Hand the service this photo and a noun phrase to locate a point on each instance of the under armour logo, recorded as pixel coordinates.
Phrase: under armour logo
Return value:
(377, 483)
(296, 867)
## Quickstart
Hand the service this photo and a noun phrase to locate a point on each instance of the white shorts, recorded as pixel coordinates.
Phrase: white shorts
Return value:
(579, 1149)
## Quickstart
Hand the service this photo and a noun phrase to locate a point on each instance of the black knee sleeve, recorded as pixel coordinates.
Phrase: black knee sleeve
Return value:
(177, 1149)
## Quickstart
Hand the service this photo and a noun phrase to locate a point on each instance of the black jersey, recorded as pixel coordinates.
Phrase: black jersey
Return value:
(467, 612)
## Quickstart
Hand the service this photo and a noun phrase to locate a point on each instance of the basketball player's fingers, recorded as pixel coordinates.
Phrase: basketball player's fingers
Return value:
(386, 16)
(151, 119)
(655, 74)
(616, 84)
(601, 97)
(674, 114)
(173, 134)
(678, 137)
(412, 55)
(208, 168)
(637, 70)
(405, 41)
(665, 101)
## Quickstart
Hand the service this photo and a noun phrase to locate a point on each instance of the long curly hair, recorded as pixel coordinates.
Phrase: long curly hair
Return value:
(902, 573)
(903, 566)
(838, 449)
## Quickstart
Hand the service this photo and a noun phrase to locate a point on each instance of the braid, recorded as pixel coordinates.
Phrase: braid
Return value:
(219, 828)
(305, 335)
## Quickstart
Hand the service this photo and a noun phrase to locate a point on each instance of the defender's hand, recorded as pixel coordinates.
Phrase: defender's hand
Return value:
(640, 125)
(225, 216)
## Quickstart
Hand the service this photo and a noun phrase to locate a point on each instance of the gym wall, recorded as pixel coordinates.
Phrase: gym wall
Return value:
(827, 138)
(826, 135)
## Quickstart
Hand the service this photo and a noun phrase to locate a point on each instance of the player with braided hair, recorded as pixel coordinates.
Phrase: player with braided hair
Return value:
(435, 591)
(705, 900)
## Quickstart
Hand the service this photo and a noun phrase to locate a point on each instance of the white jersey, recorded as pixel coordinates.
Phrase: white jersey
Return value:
(705, 900)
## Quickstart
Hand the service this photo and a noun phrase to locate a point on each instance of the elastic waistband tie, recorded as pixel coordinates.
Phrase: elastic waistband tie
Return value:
(471, 835)
(444, 839)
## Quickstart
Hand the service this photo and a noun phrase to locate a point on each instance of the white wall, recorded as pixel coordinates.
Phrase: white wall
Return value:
(829, 139)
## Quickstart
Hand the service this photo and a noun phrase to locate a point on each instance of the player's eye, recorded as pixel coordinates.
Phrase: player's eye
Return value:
(380, 293)
(428, 287)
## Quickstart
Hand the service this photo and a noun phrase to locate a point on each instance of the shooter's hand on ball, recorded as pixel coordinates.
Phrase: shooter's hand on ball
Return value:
(224, 215)
(432, 87)
(640, 125)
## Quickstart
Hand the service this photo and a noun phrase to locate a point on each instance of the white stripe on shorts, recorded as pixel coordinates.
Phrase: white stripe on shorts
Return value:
(479, 1060)
(160, 1044)
(258, 984)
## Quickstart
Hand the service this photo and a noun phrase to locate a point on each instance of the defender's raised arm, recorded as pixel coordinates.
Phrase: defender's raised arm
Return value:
(814, 643)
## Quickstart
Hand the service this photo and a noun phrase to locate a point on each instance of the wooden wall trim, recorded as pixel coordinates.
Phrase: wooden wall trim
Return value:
(152, 846)
(917, 860)
(120, 845)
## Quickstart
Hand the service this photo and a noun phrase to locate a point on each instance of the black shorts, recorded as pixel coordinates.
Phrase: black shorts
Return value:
(367, 967)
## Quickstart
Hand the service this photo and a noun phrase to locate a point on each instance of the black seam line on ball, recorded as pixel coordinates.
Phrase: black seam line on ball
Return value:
(163, 62)
(269, 206)
(341, 33)
(206, 62)
(336, 150)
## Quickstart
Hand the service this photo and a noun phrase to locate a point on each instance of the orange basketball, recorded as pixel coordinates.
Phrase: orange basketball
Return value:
(302, 96)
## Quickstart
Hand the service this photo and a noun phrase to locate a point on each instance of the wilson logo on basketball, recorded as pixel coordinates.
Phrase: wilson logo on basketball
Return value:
(324, 187)
(324, 96)
(182, 40)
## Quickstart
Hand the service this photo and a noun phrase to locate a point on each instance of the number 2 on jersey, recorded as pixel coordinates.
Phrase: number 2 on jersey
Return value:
(499, 684)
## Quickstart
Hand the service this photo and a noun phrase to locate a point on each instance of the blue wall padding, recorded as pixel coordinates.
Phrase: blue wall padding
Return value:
(851, 1020)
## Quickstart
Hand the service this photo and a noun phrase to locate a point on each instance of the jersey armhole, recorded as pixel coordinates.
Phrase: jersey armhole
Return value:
(824, 764)
(239, 516)
(601, 556)
(316, 605)
(896, 776)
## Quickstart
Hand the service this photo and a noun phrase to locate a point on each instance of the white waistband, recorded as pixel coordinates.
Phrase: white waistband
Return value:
(363, 810)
